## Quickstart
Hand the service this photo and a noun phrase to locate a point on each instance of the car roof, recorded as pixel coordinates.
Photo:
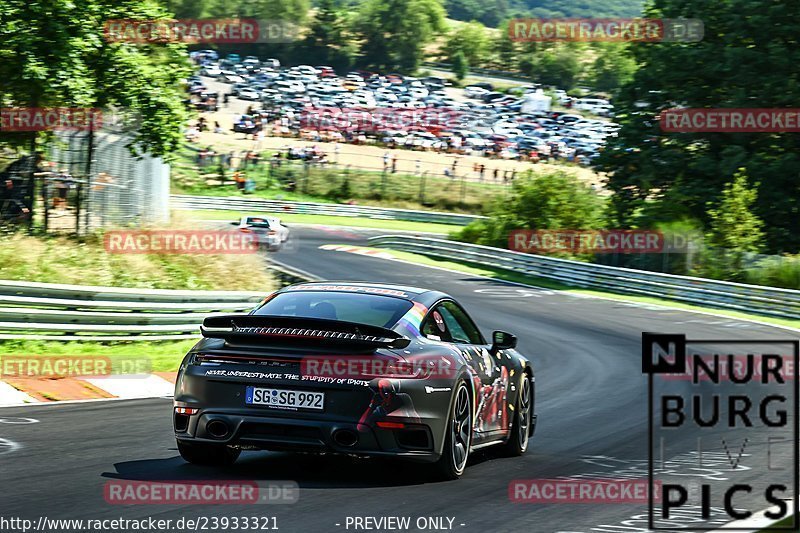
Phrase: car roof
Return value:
(364, 287)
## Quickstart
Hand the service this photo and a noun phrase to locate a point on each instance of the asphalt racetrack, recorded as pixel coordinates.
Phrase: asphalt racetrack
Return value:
(591, 400)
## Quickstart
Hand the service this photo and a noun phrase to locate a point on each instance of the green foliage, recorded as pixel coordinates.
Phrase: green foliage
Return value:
(55, 54)
(780, 271)
(733, 225)
(492, 12)
(556, 65)
(326, 40)
(747, 58)
(460, 66)
(471, 40)
(393, 33)
(504, 49)
(555, 200)
(489, 12)
(734, 231)
(613, 67)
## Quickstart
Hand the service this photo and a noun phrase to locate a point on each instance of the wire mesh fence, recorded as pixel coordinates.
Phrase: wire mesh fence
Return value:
(83, 181)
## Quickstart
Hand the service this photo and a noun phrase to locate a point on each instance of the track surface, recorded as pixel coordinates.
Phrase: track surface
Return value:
(591, 402)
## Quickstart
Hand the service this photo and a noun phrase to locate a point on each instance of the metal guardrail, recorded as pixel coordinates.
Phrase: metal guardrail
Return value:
(234, 203)
(768, 301)
(79, 312)
(486, 72)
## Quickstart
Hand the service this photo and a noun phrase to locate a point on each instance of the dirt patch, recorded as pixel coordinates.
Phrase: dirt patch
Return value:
(57, 389)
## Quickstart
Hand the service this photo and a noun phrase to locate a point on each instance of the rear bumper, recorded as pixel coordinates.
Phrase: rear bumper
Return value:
(247, 430)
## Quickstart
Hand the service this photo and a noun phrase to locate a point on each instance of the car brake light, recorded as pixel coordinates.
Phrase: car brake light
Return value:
(272, 233)
(245, 230)
(391, 425)
(186, 410)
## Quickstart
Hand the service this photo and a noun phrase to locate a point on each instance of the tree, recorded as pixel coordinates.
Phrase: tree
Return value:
(393, 33)
(470, 40)
(488, 12)
(460, 67)
(747, 58)
(555, 200)
(613, 67)
(556, 65)
(734, 230)
(325, 40)
(504, 49)
(58, 55)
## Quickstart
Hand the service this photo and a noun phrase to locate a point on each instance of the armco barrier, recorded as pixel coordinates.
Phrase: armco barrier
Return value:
(768, 301)
(80, 312)
(276, 207)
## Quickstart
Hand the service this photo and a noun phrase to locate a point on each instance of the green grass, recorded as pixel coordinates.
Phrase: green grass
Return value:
(368, 187)
(332, 220)
(496, 273)
(85, 261)
(785, 523)
(153, 356)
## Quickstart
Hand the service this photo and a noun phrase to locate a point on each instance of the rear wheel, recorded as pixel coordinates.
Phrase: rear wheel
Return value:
(208, 454)
(458, 437)
(520, 430)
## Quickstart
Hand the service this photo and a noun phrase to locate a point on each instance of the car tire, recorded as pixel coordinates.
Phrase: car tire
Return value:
(517, 443)
(458, 436)
(208, 454)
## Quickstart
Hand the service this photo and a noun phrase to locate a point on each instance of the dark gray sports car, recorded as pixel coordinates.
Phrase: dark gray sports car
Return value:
(353, 368)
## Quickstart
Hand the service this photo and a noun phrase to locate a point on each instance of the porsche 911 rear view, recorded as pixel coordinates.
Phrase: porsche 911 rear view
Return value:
(353, 368)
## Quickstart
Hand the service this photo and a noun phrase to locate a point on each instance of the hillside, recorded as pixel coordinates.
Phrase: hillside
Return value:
(492, 12)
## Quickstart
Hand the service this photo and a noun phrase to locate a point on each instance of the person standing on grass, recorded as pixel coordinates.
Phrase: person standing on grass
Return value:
(385, 161)
(394, 164)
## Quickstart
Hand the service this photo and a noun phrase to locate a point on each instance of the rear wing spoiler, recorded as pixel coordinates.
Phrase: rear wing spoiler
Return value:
(300, 330)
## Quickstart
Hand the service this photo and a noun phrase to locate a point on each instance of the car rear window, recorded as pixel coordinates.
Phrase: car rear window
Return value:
(371, 309)
(258, 222)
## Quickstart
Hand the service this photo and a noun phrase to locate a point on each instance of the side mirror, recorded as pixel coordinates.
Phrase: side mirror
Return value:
(502, 340)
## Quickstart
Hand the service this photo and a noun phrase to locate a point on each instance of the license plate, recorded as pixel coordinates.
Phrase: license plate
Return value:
(285, 398)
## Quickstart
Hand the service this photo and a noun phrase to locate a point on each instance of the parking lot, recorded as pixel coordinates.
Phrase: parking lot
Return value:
(482, 124)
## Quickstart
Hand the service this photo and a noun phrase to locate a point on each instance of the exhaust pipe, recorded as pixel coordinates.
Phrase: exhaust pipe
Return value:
(217, 429)
(345, 437)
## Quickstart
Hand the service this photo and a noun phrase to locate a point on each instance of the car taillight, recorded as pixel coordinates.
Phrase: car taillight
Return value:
(186, 410)
(272, 232)
(245, 230)
(390, 425)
